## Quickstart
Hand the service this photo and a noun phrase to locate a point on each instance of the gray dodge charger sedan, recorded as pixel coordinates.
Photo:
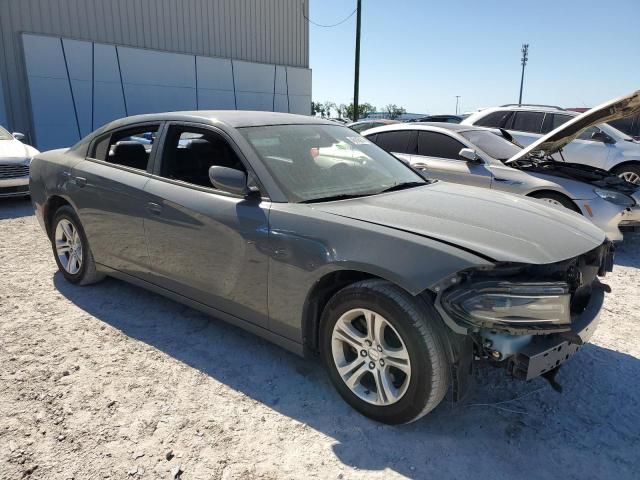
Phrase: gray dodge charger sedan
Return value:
(306, 233)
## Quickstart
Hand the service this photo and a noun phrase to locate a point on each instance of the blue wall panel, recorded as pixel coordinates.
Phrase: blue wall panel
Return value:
(3, 110)
(108, 98)
(77, 86)
(79, 57)
(157, 81)
(54, 115)
(215, 84)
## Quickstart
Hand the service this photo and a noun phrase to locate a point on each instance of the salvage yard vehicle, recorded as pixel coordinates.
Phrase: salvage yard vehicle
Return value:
(15, 158)
(398, 283)
(600, 145)
(489, 158)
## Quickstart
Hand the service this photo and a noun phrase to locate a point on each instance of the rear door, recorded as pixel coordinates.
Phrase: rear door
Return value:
(526, 126)
(206, 244)
(108, 190)
(401, 143)
(438, 157)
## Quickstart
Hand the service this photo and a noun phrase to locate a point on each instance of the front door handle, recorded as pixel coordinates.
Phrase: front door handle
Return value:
(420, 166)
(80, 181)
(154, 208)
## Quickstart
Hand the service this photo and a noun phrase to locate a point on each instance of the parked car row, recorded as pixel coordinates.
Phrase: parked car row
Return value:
(310, 235)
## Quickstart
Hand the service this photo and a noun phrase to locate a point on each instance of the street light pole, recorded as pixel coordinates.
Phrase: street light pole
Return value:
(457, 99)
(523, 61)
(356, 80)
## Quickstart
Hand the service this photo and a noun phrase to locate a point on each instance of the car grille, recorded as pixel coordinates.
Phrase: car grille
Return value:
(13, 171)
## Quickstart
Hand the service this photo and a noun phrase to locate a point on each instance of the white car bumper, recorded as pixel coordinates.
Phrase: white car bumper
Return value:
(609, 217)
(14, 187)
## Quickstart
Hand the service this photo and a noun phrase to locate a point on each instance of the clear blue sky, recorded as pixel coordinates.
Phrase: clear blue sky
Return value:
(421, 53)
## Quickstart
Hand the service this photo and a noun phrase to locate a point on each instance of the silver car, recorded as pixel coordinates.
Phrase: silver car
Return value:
(600, 145)
(15, 158)
(304, 232)
(490, 159)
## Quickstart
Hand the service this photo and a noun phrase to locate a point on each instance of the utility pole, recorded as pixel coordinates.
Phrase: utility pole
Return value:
(523, 61)
(457, 99)
(356, 80)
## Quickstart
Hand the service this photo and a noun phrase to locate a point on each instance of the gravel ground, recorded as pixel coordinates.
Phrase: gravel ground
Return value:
(111, 381)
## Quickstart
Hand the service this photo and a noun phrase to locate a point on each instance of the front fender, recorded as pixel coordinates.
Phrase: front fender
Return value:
(331, 243)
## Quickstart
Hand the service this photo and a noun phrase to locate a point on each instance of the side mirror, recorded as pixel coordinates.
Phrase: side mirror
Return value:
(601, 137)
(229, 180)
(18, 136)
(470, 155)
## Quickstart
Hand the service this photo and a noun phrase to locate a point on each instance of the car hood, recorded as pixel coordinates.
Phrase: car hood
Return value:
(555, 140)
(14, 150)
(500, 226)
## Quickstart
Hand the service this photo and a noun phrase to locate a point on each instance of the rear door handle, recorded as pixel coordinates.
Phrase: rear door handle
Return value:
(80, 181)
(154, 208)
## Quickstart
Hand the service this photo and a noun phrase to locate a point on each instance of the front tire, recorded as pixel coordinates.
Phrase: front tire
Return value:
(556, 199)
(384, 351)
(71, 248)
(630, 173)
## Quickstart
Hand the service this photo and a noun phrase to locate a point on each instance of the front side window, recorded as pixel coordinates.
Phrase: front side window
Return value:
(315, 162)
(190, 152)
(129, 148)
(528, 122)
(439, 145)
(491, 143)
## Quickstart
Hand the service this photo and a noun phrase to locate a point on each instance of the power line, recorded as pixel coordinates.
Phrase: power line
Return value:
(329, 26)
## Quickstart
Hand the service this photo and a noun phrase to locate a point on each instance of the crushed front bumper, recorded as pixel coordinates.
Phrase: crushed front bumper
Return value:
(631, 217)
(14, 187)
(544, 353)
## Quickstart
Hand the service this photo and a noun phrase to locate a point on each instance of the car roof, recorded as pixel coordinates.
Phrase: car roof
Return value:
(432, 126)
(232, 118)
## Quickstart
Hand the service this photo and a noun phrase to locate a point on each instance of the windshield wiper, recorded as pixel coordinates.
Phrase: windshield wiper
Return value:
(403, 186)
(331, 198)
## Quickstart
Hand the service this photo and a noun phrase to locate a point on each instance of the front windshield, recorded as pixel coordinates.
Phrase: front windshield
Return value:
(314, 162)
(4, 135)
(491, 143)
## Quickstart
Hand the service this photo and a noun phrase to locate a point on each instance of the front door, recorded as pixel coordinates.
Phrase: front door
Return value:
(438, 157)
(205, 244)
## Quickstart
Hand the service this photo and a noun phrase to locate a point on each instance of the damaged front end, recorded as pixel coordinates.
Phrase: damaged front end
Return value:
(528, 318)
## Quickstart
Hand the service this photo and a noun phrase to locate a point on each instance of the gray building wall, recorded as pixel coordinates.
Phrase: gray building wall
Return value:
(262, 42)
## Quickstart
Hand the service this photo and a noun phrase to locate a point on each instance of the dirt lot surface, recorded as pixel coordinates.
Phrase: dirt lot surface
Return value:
(111, 381)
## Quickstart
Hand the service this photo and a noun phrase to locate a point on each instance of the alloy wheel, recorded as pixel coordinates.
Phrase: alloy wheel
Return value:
(552, 201)
(631, 177)
(371, 357)
(68, 246)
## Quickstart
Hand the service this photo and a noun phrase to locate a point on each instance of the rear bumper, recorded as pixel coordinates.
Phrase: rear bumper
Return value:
(14, 187)
(543, 354)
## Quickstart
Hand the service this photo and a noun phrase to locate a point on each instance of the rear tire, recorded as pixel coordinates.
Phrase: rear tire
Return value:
(384, 351)
(557, 200)
(630, 173)
(71, 249)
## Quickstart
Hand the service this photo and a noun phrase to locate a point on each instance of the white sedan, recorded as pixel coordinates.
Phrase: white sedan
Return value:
(15, 158)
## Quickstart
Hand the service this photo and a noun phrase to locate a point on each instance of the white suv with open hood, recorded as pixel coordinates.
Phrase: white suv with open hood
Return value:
(600, 145)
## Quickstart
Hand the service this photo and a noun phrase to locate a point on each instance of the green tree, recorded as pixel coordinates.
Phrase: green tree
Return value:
(328, 106)
(394, 111)
(364, 109)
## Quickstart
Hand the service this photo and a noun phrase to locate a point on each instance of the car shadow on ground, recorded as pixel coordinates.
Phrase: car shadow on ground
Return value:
(588, 431)
(15, 208)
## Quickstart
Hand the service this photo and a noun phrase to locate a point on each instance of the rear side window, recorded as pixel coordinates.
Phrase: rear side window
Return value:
(432, 144)
(401, 141)
(527, 122)
(130, 148)
(495, 120)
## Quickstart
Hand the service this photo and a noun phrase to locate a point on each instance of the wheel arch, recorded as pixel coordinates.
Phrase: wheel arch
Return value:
(635, 163)
(541, 192)
(53, 203)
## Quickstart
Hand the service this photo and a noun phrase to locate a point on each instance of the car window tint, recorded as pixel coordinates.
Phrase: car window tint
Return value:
(395, 142)
(189, 153)
(624, 125)
(588, 133)
(130, 148)
(432, 144)
(495, 119)
(528, 122)
(559, 120)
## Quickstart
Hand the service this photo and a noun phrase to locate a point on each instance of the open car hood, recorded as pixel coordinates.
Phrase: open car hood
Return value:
(555, 140)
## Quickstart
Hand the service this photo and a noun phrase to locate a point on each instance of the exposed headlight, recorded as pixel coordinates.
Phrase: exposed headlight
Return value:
(614, 197)
(494, 303)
